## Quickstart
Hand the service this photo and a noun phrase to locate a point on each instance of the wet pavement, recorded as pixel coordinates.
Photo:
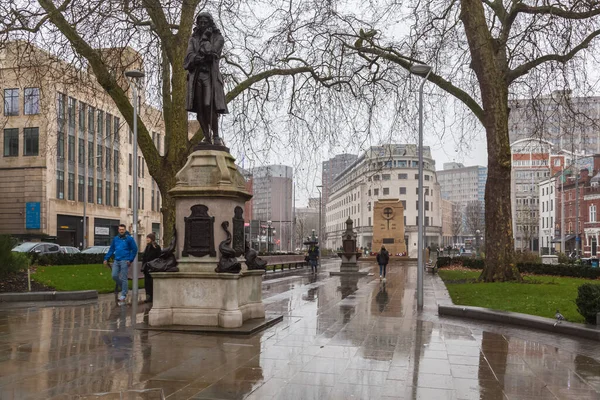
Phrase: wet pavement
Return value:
(341, 338)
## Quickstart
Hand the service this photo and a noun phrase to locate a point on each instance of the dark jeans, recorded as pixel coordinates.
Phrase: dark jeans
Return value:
(148, 284)
(382, 269)
(313, 264)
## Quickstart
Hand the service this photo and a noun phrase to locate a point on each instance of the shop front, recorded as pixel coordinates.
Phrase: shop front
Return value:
(69, 231)
(105, 230)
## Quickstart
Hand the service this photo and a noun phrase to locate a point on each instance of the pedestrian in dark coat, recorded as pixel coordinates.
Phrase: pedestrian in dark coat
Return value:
(152, 252)
(383, 258)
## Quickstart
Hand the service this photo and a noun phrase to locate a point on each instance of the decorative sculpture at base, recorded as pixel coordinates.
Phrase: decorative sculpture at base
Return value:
(228, 262)
(166, 262)
(252, 259)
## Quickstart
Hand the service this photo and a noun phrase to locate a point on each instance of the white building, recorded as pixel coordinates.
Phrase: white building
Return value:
(384, 172)
(547, 219)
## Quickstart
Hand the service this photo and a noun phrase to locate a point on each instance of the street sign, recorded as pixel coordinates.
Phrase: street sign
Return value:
(32, 215)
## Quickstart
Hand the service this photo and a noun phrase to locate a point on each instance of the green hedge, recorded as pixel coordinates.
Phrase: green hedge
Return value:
(66, 259)
(588, 301)
(10, 261)
(575, 271)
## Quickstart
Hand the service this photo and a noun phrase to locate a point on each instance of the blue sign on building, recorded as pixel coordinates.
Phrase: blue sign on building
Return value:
(32, 215)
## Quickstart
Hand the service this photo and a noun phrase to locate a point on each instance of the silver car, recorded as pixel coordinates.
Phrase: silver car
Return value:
(38, 247)
(69, 250)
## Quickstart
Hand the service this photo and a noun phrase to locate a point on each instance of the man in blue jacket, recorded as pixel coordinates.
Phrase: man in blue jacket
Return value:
(125, 249)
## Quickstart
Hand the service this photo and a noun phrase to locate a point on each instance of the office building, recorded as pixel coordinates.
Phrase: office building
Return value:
(64, 145)
(330, 170)
(384, 172)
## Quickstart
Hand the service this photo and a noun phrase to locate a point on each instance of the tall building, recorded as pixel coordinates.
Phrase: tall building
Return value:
(329, 171)
(307, 221)
(273, 197)
(533, 161)
(65, 145)
(564, 121)
(384, 172)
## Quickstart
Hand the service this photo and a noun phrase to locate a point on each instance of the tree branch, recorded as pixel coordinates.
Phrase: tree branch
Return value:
(554, 11)
(561, 58)
(238, 89)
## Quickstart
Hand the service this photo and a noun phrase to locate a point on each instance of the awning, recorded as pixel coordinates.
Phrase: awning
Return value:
(567, 238)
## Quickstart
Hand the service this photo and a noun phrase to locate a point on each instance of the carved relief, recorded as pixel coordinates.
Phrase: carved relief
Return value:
(238, 231)
(228, 262)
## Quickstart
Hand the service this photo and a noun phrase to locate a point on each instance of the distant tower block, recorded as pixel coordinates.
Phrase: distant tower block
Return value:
(388, 226)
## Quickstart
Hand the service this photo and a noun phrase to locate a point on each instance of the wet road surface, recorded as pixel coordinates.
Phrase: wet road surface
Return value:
(341, 338)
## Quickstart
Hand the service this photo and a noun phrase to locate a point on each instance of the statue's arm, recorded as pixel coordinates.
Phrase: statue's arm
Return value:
(189, 63)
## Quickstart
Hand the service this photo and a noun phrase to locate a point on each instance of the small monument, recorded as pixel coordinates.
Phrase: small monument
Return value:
(219, 283)
(349, 256)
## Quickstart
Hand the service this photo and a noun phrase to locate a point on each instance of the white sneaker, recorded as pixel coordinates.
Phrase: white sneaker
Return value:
(384, 279)
(122, 298)
(380, 277)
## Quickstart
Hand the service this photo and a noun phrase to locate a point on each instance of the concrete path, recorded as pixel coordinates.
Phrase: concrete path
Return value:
(341, 338)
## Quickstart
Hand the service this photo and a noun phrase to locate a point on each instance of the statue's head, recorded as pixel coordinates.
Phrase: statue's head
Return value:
(204, 20)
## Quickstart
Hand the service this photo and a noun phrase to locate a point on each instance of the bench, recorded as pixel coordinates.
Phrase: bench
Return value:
(285, 260)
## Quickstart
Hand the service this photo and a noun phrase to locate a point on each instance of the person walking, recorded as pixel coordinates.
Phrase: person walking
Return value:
(125, 250)
(383, 258)
(313, 257)
(152, 252)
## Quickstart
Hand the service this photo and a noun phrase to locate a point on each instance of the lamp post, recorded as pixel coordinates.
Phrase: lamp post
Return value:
(268, 237)
(320, 224)
(134, 77)
(477, 233)
(422, 70)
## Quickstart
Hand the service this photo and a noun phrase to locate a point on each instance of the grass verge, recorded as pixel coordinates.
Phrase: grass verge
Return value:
(538, 295)
(78, 277)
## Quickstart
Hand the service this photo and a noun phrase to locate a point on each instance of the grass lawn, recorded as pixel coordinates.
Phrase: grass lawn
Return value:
(78, 277)
(540, 294)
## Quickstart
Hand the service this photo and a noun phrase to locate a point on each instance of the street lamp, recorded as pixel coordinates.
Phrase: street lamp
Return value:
(422, 70)
(477, 233)
(320, 224)
(134, 77)
(268, 237)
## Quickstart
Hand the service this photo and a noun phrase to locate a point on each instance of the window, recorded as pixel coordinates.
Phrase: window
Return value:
(116, 196)
(99, 191)
(100, 115)
(60, 146)
(376, 192)
(116, 122)
(71, 187)
(108, 160)
(403, 190)
(71, 148)
(31, 101)
(593, 213)
(402, 176)
(108, 194)
(129, 198)
(80, 188)
(31, 141)
(91, 157)
(386, 177)
(386, 191)
(417, 203)
(90, 195)
(404, 207)
(426, 177)
(416, 176)
(11, 102)
(143, 198)
(139, 202)
(91, 120)
(130, 164)
(71, 108)
(152, 200)
(369, 192)
(116, 162)
(99, 150)
(426, 206)
(143, 167)
(81, 152)
(60, 185)
(139, 172)
(369, 221)
(376, 177)
(426, 221)
(130, 136)
(11, 142)
(82, 110)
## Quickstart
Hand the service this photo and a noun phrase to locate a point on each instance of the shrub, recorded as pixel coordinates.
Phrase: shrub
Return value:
(467, 262)
(66, 259)
(575, 271)
(527, 257)
(588, 301)
(10, 262)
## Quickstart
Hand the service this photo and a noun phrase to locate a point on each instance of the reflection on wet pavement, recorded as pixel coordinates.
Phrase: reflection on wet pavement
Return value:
(341, 338)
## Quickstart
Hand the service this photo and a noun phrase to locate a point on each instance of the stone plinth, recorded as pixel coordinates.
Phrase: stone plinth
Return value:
(388, 226)
(206, 298)
(209, 197)
(349, 256)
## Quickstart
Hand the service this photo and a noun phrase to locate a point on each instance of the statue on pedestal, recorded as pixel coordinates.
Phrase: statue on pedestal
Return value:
(205, 93)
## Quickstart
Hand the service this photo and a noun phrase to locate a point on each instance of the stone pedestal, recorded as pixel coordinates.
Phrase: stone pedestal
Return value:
(210, 191)
(349, 256)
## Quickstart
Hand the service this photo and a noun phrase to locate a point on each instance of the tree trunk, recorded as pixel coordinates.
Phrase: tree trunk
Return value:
(489, 64)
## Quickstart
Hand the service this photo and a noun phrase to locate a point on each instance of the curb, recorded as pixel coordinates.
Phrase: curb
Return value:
(513, 318)
(48, 296)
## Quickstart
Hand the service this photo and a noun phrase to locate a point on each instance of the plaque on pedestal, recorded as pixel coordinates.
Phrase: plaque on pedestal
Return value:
(199, 233)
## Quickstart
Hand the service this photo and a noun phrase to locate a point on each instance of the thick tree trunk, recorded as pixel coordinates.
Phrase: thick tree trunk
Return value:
(489, 64)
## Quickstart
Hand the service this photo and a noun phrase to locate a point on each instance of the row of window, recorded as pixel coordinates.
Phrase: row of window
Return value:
(342, 226)
(387, 177)
(31, 102)
(402, 190)
(31, 142)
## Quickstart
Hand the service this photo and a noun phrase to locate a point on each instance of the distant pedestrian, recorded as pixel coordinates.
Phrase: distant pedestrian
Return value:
(125, 250)
(313, 257)
(383, 258)
(152, 252)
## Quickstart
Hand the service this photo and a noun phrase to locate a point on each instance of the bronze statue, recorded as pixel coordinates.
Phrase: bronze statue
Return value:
(228, 262)
(253, 261)
(205, 93)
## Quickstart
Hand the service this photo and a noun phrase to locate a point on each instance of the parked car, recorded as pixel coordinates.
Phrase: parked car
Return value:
(69, 250)
(38, 247)
(96, 250)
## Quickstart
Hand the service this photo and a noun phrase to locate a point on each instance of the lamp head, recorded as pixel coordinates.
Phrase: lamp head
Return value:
(134, 74)
(420, 69)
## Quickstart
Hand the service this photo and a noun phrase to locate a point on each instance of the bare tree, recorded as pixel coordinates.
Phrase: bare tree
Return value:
(457, 222)
(474, 217)
(483, 52)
